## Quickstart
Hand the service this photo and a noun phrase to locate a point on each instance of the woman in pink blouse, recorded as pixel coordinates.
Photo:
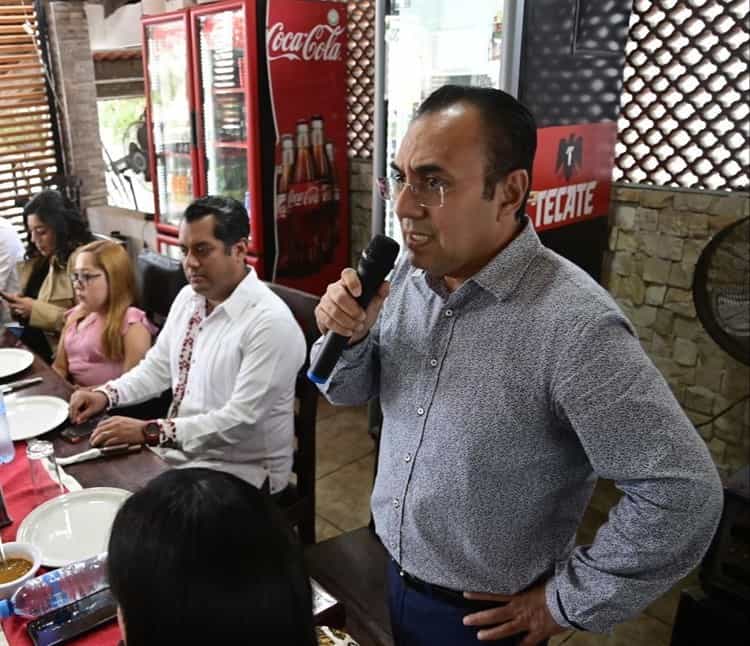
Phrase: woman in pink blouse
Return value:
(104, 335)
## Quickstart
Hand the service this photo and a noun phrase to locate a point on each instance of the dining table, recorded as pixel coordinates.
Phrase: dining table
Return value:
(126, 471)
(129, 471)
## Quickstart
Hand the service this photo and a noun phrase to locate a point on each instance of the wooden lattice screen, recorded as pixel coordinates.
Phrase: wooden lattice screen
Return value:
(361, 78)
(28, 158)
(685, 117)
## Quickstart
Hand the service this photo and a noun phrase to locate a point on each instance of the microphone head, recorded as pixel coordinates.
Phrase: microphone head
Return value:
(381, 252)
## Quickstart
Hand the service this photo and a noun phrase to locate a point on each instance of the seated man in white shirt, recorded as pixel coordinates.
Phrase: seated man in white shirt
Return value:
(230, 350)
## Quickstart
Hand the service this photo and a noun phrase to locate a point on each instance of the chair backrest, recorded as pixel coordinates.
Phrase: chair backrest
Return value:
(301, 507)
(159, 279)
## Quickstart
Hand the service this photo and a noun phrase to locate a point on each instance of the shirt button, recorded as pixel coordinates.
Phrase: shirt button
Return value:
(407, 457)
(448, 313)
(420, 411)
(433, 362)
(396, 503)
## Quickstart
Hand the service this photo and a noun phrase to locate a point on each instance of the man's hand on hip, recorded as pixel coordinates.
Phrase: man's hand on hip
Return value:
(118, 430)
(525, 612)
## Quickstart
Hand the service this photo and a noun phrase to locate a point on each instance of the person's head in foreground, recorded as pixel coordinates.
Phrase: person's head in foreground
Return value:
(201, 557)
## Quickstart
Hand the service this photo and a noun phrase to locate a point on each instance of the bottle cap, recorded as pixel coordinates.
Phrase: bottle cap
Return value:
(6, 608)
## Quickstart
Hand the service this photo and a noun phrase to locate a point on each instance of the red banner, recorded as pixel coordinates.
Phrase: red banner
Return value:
(306, 47)
(572, 175)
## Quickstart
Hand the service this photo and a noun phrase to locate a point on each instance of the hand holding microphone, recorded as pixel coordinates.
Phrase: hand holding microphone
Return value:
(349, 307)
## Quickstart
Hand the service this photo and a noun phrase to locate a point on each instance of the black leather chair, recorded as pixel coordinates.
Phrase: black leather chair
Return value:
(299, 499)
(158, 279)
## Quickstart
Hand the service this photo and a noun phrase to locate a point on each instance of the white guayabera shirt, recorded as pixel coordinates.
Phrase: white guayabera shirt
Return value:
(232, 373)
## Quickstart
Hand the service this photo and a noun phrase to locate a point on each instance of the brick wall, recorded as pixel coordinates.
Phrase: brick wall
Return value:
(656, 237)
(73, 71)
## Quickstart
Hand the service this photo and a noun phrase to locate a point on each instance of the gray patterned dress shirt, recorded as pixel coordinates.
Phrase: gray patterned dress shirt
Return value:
(502, 403)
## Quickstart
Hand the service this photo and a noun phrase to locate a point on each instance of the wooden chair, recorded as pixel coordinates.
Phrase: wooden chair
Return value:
(299, 499)
(352, 567)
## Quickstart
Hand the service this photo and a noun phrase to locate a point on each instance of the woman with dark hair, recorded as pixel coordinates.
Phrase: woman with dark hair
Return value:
(55, 230)
(199, 556)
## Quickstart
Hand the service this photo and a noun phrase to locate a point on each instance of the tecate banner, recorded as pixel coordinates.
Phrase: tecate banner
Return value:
(572, 175)
(306, 47)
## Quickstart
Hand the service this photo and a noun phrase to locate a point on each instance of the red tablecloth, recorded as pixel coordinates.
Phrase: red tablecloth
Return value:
(19, 501)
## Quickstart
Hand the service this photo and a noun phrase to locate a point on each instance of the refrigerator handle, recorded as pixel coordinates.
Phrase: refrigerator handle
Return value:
(193, 129)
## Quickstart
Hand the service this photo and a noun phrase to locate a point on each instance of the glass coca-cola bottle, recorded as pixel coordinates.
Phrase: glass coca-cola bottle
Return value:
(284, 181)
(305, 256)
(322, 221)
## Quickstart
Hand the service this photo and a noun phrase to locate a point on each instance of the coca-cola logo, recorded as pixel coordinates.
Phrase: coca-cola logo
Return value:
(309, 197)
(318, 44)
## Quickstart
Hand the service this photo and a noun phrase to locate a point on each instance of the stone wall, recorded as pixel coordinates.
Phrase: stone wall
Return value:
(360, 205)
(656, 237)
(73, 71)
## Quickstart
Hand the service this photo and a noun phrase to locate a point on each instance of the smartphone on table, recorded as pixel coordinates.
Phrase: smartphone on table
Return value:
(77, 432)
(62, 624)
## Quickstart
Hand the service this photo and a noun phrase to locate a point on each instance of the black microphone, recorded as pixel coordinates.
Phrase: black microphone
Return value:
(374, 264)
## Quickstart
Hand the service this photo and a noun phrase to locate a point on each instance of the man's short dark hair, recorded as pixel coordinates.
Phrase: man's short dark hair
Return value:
(230, 216)
(509, 130)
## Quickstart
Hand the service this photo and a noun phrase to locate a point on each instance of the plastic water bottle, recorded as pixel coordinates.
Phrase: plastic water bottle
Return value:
(7, 453)
(57, 588)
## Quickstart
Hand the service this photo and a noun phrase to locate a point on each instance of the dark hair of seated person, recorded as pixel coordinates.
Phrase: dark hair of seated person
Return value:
(231, 223)
(59, 214)
(201, 557)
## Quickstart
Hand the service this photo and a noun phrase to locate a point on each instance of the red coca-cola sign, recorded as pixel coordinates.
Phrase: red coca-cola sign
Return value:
(321, 43)
(305, 47)
(304, 195)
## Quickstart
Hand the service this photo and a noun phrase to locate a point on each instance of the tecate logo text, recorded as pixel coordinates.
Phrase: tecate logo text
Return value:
(318, 44)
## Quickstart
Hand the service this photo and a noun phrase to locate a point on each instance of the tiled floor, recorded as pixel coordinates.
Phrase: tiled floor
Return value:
(345, 465)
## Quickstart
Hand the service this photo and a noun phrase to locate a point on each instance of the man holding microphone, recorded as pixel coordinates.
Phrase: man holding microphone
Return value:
(509, 381)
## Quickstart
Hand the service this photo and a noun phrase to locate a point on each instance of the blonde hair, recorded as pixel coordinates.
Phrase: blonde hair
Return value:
(114, 261)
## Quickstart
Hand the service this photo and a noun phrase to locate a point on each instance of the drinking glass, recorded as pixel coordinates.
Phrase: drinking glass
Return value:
(45, 478)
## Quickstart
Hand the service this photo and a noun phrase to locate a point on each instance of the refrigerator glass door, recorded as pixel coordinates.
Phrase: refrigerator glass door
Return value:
(223, 123)
(168, 92)
(430, 43)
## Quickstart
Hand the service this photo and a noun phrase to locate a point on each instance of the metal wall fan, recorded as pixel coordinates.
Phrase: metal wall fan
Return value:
(721, 289)
(134, 161)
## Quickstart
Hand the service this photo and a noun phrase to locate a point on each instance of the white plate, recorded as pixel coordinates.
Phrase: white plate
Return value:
(73, 526)
(34, 415)
(13, 360)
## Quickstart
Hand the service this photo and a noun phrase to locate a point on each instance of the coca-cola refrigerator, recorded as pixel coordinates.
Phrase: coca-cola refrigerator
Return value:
(247, 99)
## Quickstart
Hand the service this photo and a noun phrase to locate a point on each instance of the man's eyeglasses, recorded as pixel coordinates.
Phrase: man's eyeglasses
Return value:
(429, 193)
(83, 278)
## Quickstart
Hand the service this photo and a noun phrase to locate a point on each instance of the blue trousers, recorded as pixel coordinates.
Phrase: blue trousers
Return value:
(420, 619)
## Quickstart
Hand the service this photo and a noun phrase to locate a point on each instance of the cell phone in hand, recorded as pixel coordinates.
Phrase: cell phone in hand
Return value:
(62, 624)
(78, 432)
